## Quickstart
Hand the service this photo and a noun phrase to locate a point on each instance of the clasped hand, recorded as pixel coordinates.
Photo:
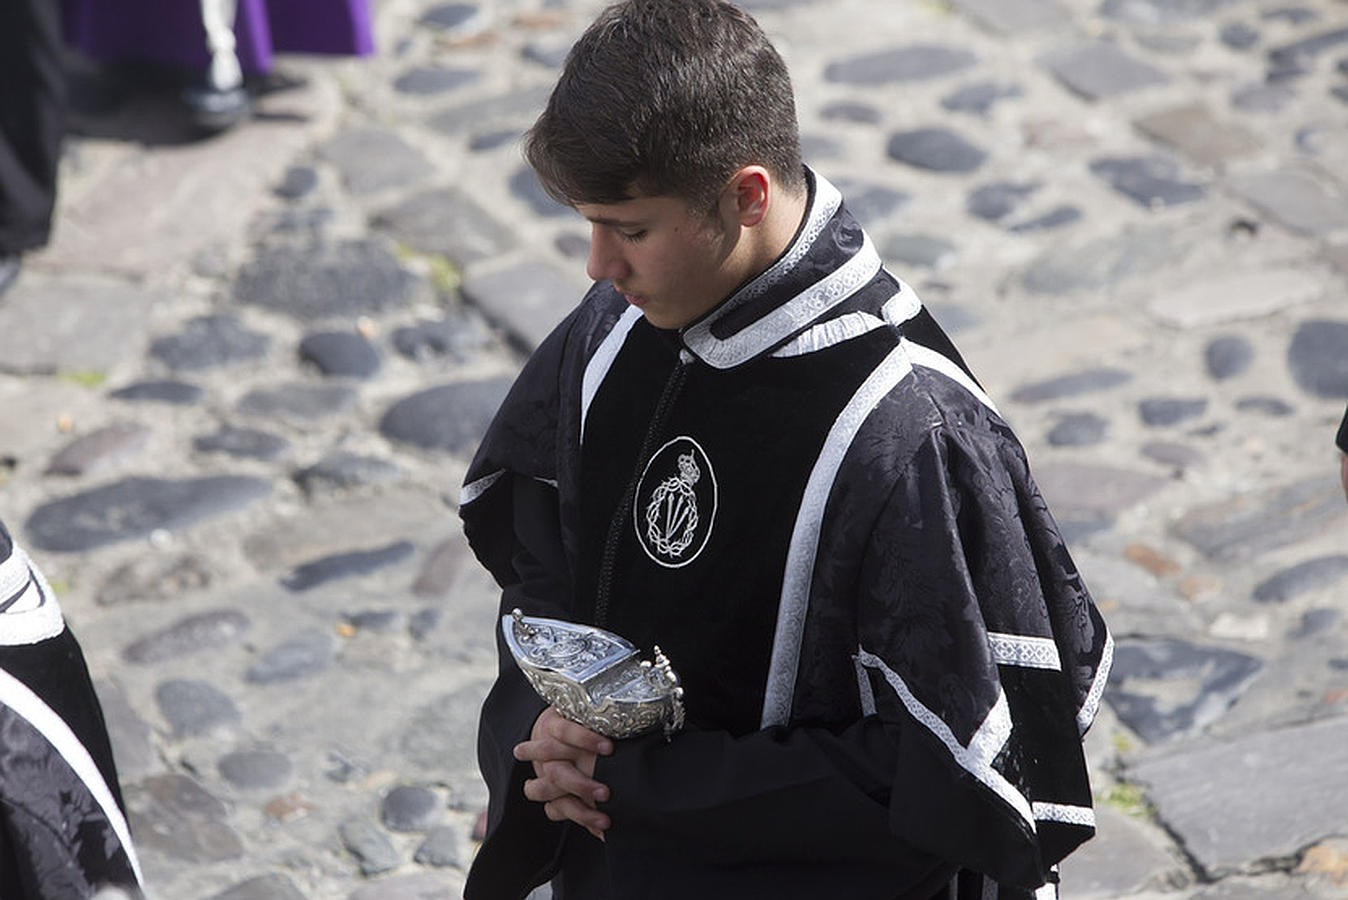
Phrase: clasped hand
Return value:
(563, 756)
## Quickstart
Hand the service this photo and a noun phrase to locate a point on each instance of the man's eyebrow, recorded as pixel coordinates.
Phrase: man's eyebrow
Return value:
(616, 223)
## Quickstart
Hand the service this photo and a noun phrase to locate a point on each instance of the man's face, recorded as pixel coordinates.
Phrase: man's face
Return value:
(669, 261)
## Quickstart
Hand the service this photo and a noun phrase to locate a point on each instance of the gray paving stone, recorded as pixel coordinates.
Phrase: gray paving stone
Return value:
(346, 565)
(493, 138)
(1153, 181)
(382, 621)
(817, 147)
(1239, 35)
(1125, 857)
(72, 323)
(915, 62)
(1056, 217)
(173, 816)
(920, 250)
(1159, 412)
(156, 578)
(1014, 16)
(1071, 384)
(1265, 405)
(999, 199)
(1160, 12)
(1235, 294)
(1297, 200)
(410, 807)
(179, 393)
(342, 469)
(1317, 359)
(441, 567)
(101, 449)
(980, 96)
(338, 281)
(1170, 453)
(1255, 522)
(135, 507)
(1077, 488)
(1099, 70)
(457, 337)
(341, 353)
(1262, 98)
(1294, 806)
(423, 622)
(936, 149)
(454, 17)
(526, 187)
(1103, 262)
(275, 886)
(872, 204)
(425, 886)
(259, 769)
(443, 847)
(1314, 622)
(297, 182)
(1078, 430)
(451, 417)
(853, 111)
(1302, 578)
(201, 631)
(372, 159)
(445, 222)
(297, 402)
(247, 443)
(1228, 356)
(423, 81)
(209, 341)
(300, 656)
(1194, 131)
(527, 299)
(1304, 51)
(1164, 689)
(1296, 15)
(193, 707)
(548, 52)
(370, 846)
(517, 107)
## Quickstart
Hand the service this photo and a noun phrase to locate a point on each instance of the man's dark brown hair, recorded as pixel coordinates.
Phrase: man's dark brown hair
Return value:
(666, 97)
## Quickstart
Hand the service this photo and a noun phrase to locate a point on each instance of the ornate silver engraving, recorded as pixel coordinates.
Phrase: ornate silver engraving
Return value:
(594, 677)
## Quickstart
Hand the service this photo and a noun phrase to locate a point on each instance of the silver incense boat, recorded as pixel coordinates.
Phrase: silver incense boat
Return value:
(595, 677)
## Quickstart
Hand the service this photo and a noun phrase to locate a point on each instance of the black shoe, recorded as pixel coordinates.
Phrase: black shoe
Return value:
(214, 109)
(9, 270)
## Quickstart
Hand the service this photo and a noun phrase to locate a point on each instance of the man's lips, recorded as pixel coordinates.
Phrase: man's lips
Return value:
(634, 299)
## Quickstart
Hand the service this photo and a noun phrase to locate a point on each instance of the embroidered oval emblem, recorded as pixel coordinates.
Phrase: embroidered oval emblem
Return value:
(675, 503)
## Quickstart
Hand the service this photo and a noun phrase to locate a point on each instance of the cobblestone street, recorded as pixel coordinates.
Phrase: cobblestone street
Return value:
(242, 385)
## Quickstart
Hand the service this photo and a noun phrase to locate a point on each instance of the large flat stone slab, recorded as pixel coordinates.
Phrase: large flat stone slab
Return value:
(1098, 70)
(446, 222)
(1012, 16)
(1193, 130)
(71, 323)
(135, 507)
(1258, 798)
(1298, 200)
(527, 299)
(1235, 294)
(1253, 523)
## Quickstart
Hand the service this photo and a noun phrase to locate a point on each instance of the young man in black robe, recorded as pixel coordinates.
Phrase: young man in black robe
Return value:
(889, 658)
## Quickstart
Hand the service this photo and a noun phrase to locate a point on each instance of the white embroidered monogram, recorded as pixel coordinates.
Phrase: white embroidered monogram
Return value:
(675, 503)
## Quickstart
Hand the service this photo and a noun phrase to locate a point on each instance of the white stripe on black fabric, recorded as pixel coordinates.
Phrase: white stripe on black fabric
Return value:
(31, 613)
(986, 743)
(1064, 813)
(475, 489)
(864, 689)
(804, 545)
(928, 358)
(1025, 651)
(597, 368)
(18, 697)
(827, 334)
(1091, 705)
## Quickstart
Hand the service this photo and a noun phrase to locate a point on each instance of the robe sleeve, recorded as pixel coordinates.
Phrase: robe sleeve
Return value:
(1341, 439)
(984, 650)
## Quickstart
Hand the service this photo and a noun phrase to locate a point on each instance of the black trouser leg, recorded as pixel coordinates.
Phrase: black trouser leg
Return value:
(32, 120)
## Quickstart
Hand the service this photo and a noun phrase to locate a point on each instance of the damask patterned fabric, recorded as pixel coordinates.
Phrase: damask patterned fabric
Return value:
(810, 504)
(63, 831)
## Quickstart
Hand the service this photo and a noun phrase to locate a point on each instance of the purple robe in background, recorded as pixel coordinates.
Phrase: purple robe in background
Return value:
(171, 31)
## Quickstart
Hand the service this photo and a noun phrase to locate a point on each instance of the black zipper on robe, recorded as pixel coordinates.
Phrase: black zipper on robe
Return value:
(609, 559)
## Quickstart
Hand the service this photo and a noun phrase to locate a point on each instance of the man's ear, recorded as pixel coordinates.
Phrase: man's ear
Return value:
(751, 190)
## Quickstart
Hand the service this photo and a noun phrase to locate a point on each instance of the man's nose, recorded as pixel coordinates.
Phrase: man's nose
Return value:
(605, 261)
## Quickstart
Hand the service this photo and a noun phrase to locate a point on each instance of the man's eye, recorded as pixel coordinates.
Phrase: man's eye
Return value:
(632, 236)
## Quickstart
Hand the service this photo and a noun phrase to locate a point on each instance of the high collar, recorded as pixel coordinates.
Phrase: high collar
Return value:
(828, 260)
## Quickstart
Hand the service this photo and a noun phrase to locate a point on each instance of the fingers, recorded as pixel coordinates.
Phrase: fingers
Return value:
(551, 724)
(570, 808)
(558, 779)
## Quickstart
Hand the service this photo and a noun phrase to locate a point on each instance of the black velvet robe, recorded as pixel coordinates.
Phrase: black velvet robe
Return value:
(807, 501)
